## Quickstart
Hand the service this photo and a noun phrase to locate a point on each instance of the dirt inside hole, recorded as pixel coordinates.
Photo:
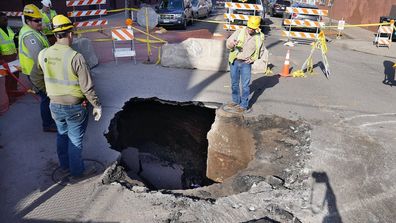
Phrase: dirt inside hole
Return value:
(165, 145)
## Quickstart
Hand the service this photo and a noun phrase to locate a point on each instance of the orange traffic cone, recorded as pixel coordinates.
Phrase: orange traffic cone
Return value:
(286, 66)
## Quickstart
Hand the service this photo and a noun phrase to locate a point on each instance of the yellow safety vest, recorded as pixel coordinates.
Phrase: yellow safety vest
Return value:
(7, 45)
(241, 38)
(59, 76)
(47, 22)
(25, 58)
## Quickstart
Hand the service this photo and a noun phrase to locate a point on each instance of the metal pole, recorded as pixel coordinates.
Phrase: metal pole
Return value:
(147, 37)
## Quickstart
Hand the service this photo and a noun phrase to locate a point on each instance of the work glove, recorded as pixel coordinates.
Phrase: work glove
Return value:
(97, 113)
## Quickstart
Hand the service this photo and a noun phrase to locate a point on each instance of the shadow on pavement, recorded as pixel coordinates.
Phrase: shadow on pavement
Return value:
(258, 86)
(329, 197)
(389, 73)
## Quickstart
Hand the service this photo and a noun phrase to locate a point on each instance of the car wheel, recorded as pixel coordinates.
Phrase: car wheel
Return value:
(184, 26)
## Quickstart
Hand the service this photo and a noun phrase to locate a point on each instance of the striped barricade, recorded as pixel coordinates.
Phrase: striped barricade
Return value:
(123, 34)
(74, 3)
(300, 35)
(87, 13)
(91, 23)
(13, 13)
(238, 13)
(232, 17)
(83, 13)
(307, 11)
(384, 36)
(303, 23)
(232, 27)
(233, 5)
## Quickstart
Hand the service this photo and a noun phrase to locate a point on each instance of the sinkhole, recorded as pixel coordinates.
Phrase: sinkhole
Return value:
(162, 143)
(206, 152)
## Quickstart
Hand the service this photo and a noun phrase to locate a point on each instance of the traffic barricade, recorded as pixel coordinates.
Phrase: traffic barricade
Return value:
(304, 25)
(12, 14)
(123, 35)
(384, 35)
(83, 13)
(238, 14)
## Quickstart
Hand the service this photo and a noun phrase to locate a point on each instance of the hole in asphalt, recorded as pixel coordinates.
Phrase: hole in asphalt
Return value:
(177, 146)
(163, 144)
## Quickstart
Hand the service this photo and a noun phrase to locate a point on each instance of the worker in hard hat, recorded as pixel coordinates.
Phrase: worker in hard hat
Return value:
(245, 47)
(68, 82)
(31, 42)
(48, 14)
(8, 51)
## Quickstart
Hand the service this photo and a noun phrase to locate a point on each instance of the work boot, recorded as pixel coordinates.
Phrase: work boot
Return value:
(89, 171)
(240, 109)
(230, 106)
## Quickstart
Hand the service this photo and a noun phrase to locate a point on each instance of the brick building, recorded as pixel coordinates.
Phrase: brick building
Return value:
(357, 11)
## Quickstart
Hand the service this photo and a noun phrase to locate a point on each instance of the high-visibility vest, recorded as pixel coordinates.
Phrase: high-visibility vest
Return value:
(7, 45)
(59, 76)
(241, 41)
(25, 59)
(47, 21)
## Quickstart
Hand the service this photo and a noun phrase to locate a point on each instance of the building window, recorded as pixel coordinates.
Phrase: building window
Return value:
(322, 2)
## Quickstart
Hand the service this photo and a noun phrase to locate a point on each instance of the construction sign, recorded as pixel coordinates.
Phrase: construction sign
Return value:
(238, 14)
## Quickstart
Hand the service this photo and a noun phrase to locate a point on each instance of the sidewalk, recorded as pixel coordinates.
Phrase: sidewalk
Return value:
(361, 40)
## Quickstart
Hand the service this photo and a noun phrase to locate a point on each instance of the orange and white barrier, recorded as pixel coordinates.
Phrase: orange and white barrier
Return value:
(307, 11)
(232, 17)
(384, 36)
(91, 23)
(73, 3)
(232, 27)
(122, 34)
(300, 35)
(303, 23)
(87, 13)
(233, 5)
(13, 13)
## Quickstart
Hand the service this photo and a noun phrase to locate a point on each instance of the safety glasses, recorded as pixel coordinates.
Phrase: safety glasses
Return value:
(37, 20)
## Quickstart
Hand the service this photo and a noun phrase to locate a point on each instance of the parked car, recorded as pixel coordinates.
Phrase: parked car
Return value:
(175, 13)
(278, 7)
(248, 12)
(200, 8)
(315, 18)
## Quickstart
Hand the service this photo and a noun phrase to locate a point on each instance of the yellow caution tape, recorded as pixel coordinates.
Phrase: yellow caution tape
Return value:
(298, 73)
(123, 9)
(268, 71)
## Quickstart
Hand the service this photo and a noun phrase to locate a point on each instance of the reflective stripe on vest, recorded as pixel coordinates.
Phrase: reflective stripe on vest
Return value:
(25, 58)
(59, 76)
(47, 24)
(241, 38)
(7, 45)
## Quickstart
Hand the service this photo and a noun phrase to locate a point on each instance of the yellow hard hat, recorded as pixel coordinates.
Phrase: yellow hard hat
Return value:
(61, 23)
(254, 22)
(32, 11)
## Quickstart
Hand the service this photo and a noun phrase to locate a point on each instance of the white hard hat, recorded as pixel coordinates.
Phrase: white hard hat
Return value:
(46, 3)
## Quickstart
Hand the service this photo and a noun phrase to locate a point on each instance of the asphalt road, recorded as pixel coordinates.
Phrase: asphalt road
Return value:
(352, 115)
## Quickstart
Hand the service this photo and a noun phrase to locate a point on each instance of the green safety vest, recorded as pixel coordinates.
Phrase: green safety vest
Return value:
(47, 21)
(25, 58)
(241, 38)
(59, 77)
(7, 45)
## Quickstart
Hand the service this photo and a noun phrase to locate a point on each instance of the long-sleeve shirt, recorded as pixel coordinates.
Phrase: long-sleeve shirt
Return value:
(81, 69)
(34, 46)
(248, 47)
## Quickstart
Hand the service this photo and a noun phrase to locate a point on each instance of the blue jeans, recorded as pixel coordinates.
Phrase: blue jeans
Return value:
(71, 121)
(45, 112)
(240, 72)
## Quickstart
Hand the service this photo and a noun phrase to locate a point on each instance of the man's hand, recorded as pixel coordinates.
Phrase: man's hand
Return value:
(234, 43)
(97, 113)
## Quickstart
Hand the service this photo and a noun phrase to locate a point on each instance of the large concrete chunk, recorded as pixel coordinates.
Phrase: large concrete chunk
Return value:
(84, 46)
(231, 146)
(203, 54)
